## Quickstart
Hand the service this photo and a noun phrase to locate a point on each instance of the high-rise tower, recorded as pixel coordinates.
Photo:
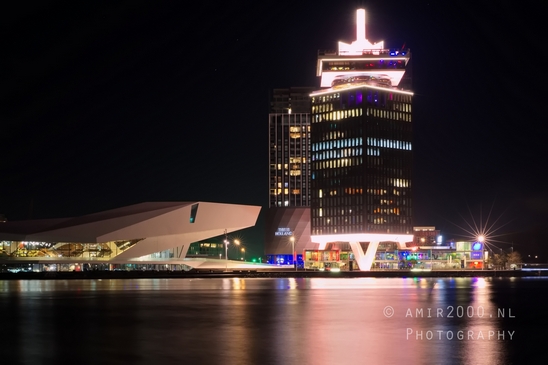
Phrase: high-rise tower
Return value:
(289, 147)
(288, 216)
(361, 150)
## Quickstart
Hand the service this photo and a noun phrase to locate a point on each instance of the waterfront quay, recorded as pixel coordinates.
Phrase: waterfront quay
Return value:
(151, 274)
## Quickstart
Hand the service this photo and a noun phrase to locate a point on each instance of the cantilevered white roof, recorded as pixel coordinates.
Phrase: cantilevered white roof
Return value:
(158, 226)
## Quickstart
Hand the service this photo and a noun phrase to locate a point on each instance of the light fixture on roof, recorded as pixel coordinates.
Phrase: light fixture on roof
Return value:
(361, 44)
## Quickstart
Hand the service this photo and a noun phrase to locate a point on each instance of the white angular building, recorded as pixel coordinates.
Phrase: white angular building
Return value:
(131, 234)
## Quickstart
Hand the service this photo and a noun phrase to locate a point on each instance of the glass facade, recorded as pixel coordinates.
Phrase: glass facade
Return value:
(364, 65)
(107, 250)
(289, 173)
(389, 257)
(289, 147)
(285, 260)
(64, 256)
(99, 251)
(295, 98)
(361, 161)
(206, 249)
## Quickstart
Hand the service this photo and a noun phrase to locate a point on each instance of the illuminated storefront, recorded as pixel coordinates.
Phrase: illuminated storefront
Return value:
(458, 256)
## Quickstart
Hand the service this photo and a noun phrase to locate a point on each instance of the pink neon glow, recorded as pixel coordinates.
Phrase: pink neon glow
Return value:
(360, 24)
(356, 48)
(361, 237)
(329, 91)
(329, 76)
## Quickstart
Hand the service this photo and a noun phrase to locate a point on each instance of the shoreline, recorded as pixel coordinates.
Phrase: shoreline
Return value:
(91, 275)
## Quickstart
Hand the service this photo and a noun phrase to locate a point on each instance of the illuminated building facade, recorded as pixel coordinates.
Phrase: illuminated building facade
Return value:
(426, 236)
(361, 149)
(288, 216)
(459, 255)
(361, 162)
(295, 98)
(206, 249)
(287, 228)
(289, 148)
(146, 233)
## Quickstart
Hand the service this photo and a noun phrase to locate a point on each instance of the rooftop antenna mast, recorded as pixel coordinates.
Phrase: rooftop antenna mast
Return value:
(360, 24)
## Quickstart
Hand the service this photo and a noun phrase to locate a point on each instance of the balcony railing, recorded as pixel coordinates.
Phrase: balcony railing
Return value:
(389, 52)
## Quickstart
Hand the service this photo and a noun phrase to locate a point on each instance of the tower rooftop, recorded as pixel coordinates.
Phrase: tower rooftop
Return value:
(362, 56)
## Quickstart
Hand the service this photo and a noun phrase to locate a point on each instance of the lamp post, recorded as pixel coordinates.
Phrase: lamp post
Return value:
(481, 238)
(237, 242)
(226, 253)
(243, 250)
(292, 239)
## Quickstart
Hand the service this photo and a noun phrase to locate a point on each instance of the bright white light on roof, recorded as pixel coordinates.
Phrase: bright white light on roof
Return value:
(361, 43)
(329, 91)
(361, 237)
(360, 24)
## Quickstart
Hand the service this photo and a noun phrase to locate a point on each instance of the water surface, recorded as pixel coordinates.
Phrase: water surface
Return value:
(274, 321)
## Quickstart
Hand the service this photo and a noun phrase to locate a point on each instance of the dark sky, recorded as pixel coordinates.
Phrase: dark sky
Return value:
(110, 105)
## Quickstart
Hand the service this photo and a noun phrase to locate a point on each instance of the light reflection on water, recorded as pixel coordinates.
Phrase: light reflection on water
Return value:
(270, 321)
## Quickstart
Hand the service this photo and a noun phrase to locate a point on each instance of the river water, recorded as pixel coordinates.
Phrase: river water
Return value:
(274, 321)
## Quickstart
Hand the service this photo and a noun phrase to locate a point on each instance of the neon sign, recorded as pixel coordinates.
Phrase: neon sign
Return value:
(283, 232)
(475, 255)
(477, 246)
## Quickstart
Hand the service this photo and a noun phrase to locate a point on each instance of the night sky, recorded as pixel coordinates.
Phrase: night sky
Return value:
(117, 104)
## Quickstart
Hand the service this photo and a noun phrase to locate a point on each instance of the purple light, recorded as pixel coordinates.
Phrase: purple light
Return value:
(475, 255)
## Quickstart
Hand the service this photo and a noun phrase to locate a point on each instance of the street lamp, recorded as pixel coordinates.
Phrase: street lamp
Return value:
(226, 241)
(243, 250)
(292, 239)
(226, 253)
(481, 238)
(237, 242)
